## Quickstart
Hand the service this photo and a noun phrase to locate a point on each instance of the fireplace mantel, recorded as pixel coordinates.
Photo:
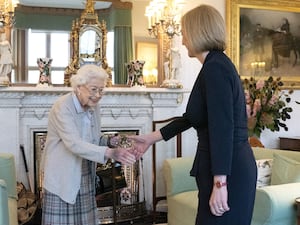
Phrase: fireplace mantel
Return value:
(24, 110)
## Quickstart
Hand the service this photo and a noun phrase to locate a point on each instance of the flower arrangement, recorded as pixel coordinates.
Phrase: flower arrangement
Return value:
(266, 105)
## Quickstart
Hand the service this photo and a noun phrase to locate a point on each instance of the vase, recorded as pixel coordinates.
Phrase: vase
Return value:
(44, 65)
(135, 73)
(254, 141)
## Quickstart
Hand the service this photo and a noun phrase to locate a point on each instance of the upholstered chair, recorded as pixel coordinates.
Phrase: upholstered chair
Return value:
(8, 191)
(4, 216)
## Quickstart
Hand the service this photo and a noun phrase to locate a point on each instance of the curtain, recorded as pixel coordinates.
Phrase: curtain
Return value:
(123, 52)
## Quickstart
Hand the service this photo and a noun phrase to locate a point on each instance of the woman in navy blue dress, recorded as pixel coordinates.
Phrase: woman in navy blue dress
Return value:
(224, 165)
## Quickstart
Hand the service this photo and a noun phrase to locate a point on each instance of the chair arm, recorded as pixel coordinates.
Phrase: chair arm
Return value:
(4, 216)
(3, 184)
(8, 173)
(177, 175)
(275, 204)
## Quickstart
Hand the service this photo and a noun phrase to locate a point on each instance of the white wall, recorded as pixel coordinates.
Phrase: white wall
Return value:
(190, 68)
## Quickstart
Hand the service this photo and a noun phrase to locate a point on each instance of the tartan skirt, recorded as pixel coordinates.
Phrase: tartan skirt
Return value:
(83, 212)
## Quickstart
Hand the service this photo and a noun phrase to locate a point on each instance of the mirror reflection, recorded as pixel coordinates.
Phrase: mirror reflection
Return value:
(90, 43)
(32, 37)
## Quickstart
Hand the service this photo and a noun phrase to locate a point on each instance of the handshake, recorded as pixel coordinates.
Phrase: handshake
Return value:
(127, 149)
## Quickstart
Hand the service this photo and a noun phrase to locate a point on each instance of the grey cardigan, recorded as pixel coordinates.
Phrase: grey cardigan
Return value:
(65, 148)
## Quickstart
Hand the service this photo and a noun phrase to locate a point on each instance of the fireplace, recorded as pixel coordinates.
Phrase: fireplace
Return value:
(128, 203)
(24, 117)
(124, 204)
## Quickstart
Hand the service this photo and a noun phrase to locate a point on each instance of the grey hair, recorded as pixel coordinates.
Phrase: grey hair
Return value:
(86, 73)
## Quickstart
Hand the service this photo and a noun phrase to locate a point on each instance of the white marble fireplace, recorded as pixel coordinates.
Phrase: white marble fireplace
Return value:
(24, 111)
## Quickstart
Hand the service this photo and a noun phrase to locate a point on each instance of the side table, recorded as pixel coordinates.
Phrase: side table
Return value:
(291, 143)
(297, 201)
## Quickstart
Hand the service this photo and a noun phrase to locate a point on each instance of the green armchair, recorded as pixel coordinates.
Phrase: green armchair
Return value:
(8, 191)
(274, 204)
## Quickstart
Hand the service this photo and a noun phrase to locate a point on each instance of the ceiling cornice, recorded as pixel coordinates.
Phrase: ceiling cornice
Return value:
(116, 4)
(120, 5)
(47, 10)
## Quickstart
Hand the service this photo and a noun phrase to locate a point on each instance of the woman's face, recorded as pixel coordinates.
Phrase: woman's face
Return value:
(185, 42)
(90, 94)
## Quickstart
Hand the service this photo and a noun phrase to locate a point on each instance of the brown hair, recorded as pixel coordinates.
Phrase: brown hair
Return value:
(204, 28)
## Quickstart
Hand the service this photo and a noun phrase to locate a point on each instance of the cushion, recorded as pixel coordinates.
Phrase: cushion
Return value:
(264, 171)
(179, 167)
(182, 208)
(285, 170)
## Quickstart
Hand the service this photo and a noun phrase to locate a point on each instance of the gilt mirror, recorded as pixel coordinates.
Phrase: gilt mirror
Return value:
(90, 45)
(88, 42)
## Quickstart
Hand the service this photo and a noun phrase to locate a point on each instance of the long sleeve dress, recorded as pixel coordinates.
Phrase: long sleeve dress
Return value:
(216, 109)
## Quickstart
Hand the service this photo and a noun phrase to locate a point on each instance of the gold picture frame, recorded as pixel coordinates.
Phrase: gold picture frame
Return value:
(267, 14)
(148, 51)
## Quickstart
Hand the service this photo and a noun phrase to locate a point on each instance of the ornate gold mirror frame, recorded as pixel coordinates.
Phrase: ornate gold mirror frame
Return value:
(89, 24)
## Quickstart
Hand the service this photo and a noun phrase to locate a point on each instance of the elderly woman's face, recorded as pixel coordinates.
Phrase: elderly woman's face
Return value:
(90, 94)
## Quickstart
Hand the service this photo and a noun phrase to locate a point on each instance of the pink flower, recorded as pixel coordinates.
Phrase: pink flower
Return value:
(247, 96)
(260, 84)
(273, 100)
(248, 110)
(265, 107)
(256, 107)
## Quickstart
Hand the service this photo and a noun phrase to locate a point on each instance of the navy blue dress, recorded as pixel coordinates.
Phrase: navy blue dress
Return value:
(216, 109)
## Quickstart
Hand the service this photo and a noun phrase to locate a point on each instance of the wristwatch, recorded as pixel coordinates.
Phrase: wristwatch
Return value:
(220, 184)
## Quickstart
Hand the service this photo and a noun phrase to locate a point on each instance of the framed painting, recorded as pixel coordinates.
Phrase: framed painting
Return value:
(264, 39)
(148, 51)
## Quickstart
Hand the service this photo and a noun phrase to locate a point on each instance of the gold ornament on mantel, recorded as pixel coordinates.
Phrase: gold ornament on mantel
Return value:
(83, 51)
(164, 21)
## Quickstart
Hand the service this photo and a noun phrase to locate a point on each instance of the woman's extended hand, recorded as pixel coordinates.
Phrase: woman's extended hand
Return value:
(141, 143)
(122, 155)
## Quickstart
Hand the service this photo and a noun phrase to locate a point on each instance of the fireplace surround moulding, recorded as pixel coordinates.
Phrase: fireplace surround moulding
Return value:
(24, 110)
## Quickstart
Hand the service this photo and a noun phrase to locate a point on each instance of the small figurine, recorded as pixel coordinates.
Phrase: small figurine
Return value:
(6, 60)
(171, 69)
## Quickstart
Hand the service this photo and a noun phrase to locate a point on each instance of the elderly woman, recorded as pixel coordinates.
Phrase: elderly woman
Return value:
(72, 149)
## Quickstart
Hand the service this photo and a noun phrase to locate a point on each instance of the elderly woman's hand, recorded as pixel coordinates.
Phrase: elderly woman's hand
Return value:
(122, 155)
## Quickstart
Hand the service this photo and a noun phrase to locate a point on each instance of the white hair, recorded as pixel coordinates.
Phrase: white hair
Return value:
(86, 73)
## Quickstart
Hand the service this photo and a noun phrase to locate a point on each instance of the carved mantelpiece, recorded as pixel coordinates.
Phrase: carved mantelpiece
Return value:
(24, 110)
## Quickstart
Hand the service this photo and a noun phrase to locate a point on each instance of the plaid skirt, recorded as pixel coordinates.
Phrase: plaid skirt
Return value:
(83, 212)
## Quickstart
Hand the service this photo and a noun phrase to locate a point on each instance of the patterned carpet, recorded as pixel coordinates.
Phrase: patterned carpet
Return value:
(160, 219)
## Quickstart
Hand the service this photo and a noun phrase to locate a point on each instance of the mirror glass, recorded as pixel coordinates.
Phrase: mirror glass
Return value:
(90, 43)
